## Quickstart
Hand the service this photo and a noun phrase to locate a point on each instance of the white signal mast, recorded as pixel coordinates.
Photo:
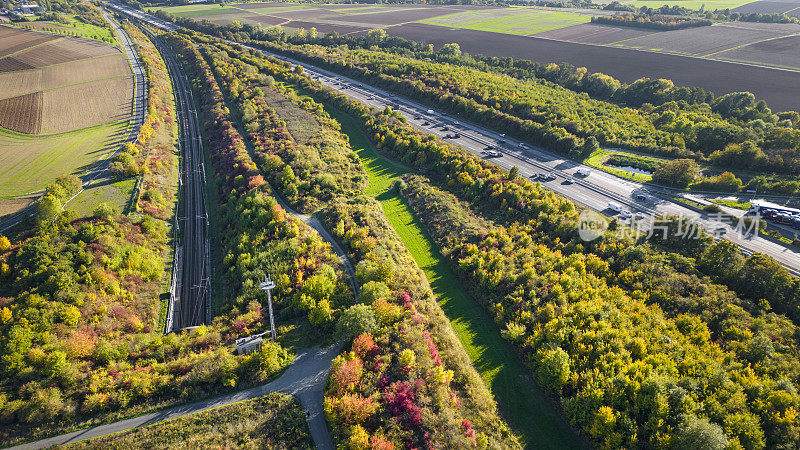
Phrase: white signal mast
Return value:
(268, 285)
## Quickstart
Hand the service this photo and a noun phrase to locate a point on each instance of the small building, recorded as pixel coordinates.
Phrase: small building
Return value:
(28, 8)
(249, 344)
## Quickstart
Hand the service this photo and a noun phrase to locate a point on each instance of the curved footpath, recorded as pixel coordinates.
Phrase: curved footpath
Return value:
(305, 379)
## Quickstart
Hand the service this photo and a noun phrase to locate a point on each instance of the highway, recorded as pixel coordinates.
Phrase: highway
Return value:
(190, 299)
(595, 191)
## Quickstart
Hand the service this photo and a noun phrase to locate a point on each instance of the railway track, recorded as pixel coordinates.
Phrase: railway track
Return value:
(190, 302)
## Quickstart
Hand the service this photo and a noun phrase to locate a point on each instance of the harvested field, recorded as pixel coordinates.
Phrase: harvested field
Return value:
(261, 5)
(10, 64)
(783, 52)
(20, 83)
(31, 162)
(325, 28)
(524, 21)
(18, 40)
(64, 50)
(785, 28)
(265, 20)
(204, 11)
(624, 64)
(700, 41)
(28, 81)
(400, 16)
(768, 7)
(22, 114)
(102, 101)
(590, 33)
(306, 13)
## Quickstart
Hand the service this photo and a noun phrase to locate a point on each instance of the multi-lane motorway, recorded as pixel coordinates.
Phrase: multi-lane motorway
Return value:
(190, 300)
(595, 191)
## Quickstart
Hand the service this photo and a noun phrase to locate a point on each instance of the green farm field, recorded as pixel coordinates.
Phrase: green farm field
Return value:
(74, 28)
(523, 21)
(31, 162)
(531, 414)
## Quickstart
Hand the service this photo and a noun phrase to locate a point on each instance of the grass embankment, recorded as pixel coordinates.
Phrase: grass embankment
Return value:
(597, 160)
(272, 421)
(732, 203)
(522, 21)
(32, 162)
(74, 28)
(532, 415)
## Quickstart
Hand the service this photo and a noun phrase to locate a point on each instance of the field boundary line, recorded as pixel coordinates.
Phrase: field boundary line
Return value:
(750, 43)
(36, 136)
(31, 47)
(62, 63)
(69, 85)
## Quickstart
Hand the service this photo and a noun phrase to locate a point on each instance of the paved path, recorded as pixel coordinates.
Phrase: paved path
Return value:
(305, 379)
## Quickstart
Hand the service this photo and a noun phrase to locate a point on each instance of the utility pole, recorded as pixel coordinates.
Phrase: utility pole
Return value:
(268, 285)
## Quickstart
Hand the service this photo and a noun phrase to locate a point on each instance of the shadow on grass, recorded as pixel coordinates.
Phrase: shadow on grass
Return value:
(535, 417)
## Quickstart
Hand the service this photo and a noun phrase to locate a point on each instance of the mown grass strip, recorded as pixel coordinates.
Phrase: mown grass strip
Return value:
(530, 413)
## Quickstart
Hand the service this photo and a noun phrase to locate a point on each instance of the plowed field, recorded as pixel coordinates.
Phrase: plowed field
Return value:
(101, 101)
(22, 114)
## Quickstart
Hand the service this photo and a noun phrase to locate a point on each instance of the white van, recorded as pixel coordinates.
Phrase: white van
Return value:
(616, 207)
(584, 172)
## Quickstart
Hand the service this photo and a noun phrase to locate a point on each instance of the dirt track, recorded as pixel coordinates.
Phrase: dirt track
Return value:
(627, 65)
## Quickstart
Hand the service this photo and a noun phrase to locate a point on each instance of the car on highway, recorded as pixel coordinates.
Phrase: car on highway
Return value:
(445, 128)
(569, 180)
(456, 136)
(616, 207)
(639, 215)
(583, 172)
(625, 214)
(430, 111)
(493, 154)
(456, 123)
(640, 197)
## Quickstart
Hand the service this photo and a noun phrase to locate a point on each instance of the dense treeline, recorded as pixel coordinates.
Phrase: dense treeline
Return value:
(724, 14)
(406, 380)
(545, 104)
(80, 305)
(653, 22)
(642, 354)
(319, 162)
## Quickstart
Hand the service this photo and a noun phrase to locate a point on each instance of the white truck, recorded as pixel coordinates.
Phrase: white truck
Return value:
(616, 207)
(583, 172)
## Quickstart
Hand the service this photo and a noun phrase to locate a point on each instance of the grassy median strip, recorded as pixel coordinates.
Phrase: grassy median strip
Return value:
(532, 415)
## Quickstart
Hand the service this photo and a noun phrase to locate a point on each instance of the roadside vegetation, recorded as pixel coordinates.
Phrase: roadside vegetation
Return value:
(602, 327)
(273, 421)
(405, 379)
